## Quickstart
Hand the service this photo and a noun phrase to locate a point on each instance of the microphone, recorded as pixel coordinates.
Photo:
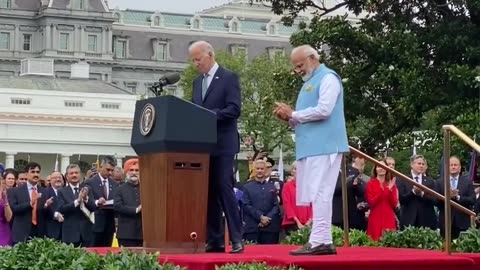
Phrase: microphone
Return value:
(169, 78)
(166, 79)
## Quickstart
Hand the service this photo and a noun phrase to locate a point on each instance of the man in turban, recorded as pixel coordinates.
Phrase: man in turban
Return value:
(128, 206)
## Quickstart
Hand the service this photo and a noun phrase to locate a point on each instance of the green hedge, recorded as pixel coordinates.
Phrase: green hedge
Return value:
(48, 254)
(410, 237)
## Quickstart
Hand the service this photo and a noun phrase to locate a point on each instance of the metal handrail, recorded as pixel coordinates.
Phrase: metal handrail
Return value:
(447, 129)
(403, 177)
(464, 137)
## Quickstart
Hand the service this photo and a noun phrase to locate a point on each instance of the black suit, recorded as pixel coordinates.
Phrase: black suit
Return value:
(355, 195)
(416, 210)
(129, 230)
(104, 226)
(224, 99)
(53, 227)
(460, 221)
(22, 227)
(76, 227)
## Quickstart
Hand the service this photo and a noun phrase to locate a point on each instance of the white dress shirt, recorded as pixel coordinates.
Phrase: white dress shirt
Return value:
(211, 74)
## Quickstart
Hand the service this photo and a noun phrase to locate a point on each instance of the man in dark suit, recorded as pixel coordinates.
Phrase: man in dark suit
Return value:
(75, 202)
(461, 192)
(53, 218)
(27, 204)
(129, 208)
(103, 189)
(218, 90)
(416, 206)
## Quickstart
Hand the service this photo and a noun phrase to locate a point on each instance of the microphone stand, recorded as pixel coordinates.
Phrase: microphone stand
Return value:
(157, 89)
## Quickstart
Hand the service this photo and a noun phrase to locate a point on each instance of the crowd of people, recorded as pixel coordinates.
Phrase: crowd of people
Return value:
(83, 211)
(376, 202)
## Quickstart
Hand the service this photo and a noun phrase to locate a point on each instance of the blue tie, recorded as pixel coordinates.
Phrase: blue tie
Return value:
(453, 183)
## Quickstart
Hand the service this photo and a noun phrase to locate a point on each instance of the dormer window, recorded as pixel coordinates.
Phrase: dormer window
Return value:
(196, 23)
(156, 19)
(272, 28)
(118, 16)
(234, 25)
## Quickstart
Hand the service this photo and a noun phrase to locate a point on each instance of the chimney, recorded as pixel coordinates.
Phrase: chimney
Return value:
(80, 70)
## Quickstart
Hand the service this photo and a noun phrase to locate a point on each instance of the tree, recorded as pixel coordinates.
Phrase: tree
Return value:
(263, 81)
(406, 66)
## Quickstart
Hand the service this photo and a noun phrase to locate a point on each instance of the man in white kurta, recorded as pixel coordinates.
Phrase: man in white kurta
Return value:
(321, 140)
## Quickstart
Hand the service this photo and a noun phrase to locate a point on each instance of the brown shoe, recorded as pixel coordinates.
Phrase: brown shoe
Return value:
(322, 249)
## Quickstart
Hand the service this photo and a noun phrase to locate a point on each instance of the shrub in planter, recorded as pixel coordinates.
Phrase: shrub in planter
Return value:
(468, 241)
(254, 266)
(299, 237)
(359, 238)
(412, 237)
(356, 237)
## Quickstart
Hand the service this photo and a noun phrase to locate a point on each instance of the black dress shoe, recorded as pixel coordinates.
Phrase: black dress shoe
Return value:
(215, 249)
(237, 248)
(323, 249)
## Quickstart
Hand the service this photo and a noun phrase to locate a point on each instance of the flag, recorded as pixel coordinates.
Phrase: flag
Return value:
(98, 161)
(280, 164)
(472, 168)
(55, 169)
(79, 156)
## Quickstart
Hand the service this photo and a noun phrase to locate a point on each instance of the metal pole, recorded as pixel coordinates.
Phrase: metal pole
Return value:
(446, 180)
(346, 242)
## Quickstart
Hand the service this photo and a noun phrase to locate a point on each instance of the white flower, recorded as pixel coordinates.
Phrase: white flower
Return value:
(344, 80)
(477, 79)
(391, 67)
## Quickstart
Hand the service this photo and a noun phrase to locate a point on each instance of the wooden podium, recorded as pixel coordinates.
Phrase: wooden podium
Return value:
(173, 139)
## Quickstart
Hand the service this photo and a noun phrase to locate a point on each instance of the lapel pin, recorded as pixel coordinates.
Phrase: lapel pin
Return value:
(217, 78)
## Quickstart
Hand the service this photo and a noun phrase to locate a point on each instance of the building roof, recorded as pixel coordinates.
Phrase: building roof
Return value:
(210, 22)
(65, 85)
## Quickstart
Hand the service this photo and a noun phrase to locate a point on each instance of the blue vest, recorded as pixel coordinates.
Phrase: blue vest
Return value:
(325, 136)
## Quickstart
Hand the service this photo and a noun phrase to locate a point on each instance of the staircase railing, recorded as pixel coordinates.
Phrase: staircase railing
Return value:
(447, 130)
(409, 180)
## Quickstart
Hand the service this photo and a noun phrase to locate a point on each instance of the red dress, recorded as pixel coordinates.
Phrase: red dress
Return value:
(289, 199)
(382, 202)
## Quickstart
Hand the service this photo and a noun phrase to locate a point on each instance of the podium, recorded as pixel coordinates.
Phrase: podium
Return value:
(173, 139)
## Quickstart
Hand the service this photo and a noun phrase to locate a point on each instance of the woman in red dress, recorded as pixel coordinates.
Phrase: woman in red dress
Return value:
(382, 197)
(295, 217)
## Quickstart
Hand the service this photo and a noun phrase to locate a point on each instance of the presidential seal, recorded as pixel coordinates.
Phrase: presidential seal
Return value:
(147, 120)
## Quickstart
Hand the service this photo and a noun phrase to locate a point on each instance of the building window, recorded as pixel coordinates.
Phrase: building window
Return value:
(27, 42)
(5, 3)
(64, 41)
(239, 50)
(120, 49)
(74, 104)
(234, 27)
(156, 21)
(81, 4)
(21, 101)
(111, 106)
(92, 43)
(162, 52)
(275, 52)
(131, 87)
(4, 41)
(196, 24)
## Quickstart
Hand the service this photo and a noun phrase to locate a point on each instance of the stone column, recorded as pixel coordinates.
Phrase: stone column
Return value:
(77, 38)
(119, 161)
(104, 40)
(17, 39)
(54, 37)
(10, 159)
(48, 37)
(83, 40)
(65, 161)
(110, 40)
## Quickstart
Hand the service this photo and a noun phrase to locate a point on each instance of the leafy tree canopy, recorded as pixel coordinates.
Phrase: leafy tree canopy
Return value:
(407, 65)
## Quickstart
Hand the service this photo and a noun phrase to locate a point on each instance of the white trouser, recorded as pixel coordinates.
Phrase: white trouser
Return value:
(316, 180)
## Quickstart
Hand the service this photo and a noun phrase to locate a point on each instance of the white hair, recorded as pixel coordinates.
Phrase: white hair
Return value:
(306, 50)
(203, 45)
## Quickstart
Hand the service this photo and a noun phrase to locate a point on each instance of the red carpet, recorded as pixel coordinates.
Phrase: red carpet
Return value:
(358, 258)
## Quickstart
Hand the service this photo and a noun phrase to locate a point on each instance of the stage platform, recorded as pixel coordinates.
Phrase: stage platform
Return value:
(358, 258)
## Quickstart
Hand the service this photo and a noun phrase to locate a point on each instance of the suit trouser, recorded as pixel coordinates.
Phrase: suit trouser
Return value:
(222, 197)
(130, 242)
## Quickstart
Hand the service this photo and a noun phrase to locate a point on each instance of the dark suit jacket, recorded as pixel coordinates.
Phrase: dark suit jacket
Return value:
(19, 199)
(467, 199)
(355, 195)
(104, 217)
(127, 199)
(260, 199)
(416, 210)
(222, 97)
(53, 227)
(76, 226)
